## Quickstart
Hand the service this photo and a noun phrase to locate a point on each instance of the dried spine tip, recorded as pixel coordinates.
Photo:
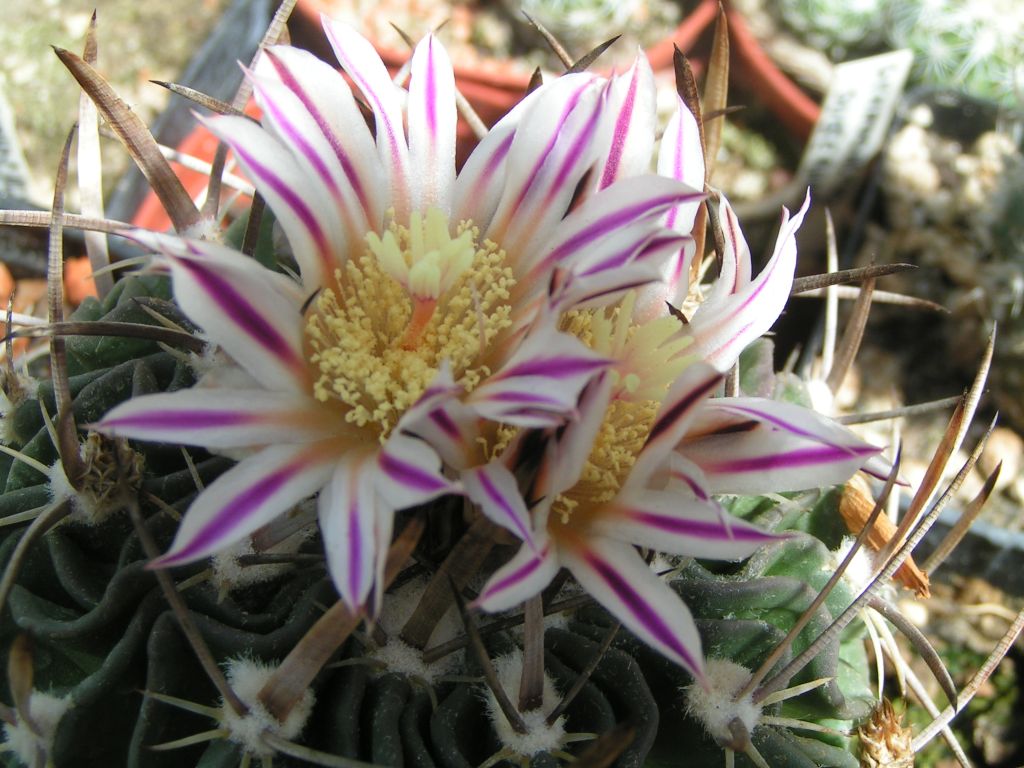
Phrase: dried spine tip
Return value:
(112, 472)
(884, 741)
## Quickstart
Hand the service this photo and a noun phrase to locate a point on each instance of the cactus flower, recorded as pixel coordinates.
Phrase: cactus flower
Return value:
(639, 467)
(417, 287)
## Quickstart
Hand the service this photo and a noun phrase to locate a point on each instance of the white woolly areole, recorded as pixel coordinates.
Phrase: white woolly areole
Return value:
(229, 573)
(401, 658)
(247, 677)
(400, 604)
(46, 711)
(860, 570)
(207, 228)
(717, 707)
(539, 736)
(82, 507)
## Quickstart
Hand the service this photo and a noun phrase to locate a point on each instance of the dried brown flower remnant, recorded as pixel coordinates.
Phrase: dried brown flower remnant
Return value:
(884, 742)
(112, 469)
(855, 507)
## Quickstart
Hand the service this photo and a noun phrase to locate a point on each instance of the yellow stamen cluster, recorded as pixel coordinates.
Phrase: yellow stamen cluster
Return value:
(649, 357)
(618, 442)
(415, 297)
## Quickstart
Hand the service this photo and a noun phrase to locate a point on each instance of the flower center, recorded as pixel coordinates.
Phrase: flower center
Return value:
(416, 296)
(649, 357)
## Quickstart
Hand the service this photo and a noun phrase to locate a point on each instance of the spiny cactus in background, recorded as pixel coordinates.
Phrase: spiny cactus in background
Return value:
(577, 21)
(462, 495)
(974, 48)
(583, 25)
(842, 30)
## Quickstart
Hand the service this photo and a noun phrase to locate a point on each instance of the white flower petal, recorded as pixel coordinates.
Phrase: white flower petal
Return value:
(301, 202)
(539, 385)
(632, 102)
(688, 394)
(349, 510)
(664, 521)
(681, 157)
(522, 577)
(240, 308)
(218, 418)
(311, 108)
(481, 182)
(359, 59)
(247, 497)
(432, 119)
(494, 489)
(615, 575)
(724, 329)
(410, 472)
(556, 142)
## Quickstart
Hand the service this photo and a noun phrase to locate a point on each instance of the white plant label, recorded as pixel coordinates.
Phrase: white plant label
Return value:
(855, 117)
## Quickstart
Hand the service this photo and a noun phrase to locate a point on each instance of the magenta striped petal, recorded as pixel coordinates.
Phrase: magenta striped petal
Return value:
(540, 383)
(604, 288)
(410, 472)
(681, 157)
(686, 477)
(644, 273)
(811, 456)
(674, 257)
(324, 130)
(689, 391)
(880, 467)
(481, 182)
(565, 459)
(432, 120)
(612, 224)
(764, 460)
(687, 396)
(667, 522)
(247, 497)
(522, 577)
(441, 390)
(552, 148)
(794, 419)
(240, 309)
(348, 510)
(218, 418)
(539, 215)
(722, 330)
(450, 430)
(493, 488)
(440, 420)
(326, 96)
(734, 274)
(632, 102)
(616, 576)
(301, 203)
(364, 66)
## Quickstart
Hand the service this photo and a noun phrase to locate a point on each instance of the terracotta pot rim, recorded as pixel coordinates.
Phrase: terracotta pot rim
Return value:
(497, 73)
(494, 89)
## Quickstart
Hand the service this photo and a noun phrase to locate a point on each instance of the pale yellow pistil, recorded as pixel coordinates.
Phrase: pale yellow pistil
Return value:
(649, 357)
(416, 296)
